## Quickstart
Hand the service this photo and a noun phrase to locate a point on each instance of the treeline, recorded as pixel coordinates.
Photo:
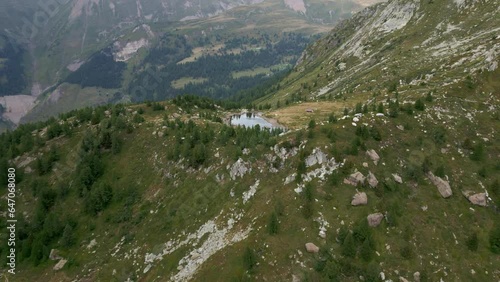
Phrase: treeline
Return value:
(218, 69)
(100, 71)
(193, 143)
(51, 226)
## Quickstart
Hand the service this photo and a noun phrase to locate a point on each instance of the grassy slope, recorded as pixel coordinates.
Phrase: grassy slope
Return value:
(197, 197)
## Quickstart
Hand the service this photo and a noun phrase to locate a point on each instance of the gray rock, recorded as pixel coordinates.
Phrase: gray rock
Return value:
(442, 185)
(355, 179)
(60, 264)
(416, 276)
(375, 219)
(239, 169)
(54, 255)
(373, 156)
(478, 199)
(311, 248)
(317, 157)
(372, 180)
(92, 244)
(359, 198)
(397, 178)
(402, 279)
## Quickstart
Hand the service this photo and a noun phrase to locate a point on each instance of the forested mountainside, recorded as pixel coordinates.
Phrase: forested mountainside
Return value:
(382, 165)
(59, 43)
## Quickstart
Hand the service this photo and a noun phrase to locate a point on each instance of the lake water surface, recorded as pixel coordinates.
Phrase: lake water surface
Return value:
(251, 120)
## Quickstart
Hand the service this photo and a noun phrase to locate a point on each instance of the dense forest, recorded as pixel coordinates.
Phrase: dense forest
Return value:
(100, 71)
(152, 80)
(106, 129)
(12, 77)
(163, 69)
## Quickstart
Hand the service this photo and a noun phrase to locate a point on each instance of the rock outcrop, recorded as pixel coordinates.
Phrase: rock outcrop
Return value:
(373, 156)
(355, 179)
(317, 157)
(54, 255)
(239, 169)
(372, 180)
(397, 178)
(359, 199)
(478, 199)
(375, 219)
(311, 248)
(60, 264)
(442, 185)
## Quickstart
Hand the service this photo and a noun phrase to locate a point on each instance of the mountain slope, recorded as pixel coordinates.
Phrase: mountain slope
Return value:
(65, 36)
(388, 181)
(403, 44)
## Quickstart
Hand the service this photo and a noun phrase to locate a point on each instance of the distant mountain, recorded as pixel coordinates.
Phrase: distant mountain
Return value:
(60, 37)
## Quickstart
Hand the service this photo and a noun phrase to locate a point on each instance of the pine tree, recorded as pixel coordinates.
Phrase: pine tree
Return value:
(472, 242)
(273, 224)
(249, 259)
(349, 246)
(495, 239)
(366, 251)
(380, 108)
(419, 105)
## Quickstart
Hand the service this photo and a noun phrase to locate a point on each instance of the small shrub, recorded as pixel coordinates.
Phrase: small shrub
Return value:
(349, 246)
(478, 152)
(273, 224)
(472, 242)
(249, 259)
(406, 252)
(440, 171)
(495, 239)
(419, 105)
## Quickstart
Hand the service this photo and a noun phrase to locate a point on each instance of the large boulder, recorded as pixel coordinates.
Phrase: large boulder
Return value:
(416, 276)
(359, 198)
(355, 179)
(372, 180)
(373, 156)
(478, 199)
(311, 248)
(375, 219)
(397, 178)
(60, 264)
(54, 255)
(442, 185)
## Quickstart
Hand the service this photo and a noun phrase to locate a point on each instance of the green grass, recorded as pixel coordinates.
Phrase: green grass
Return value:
(181, 83)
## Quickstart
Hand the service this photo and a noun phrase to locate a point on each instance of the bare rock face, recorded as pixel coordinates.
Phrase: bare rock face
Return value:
(239, 169)
(373, 156)
(478, 199)
(372, 180)
(375, 219)
(355, 179)
(317, 157)
(397, 178)
(359, 198)
(311, 248)
(442, 185)
(54, 255)
(60, 264)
